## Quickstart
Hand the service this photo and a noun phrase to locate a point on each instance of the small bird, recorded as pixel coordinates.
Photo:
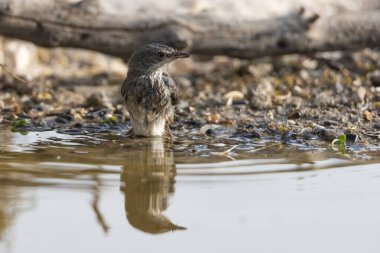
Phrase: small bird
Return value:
(149, 91)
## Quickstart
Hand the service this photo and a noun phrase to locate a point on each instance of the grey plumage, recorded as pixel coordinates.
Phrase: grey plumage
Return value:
(149, 92)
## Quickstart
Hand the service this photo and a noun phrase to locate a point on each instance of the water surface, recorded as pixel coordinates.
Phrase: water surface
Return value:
(105, 193)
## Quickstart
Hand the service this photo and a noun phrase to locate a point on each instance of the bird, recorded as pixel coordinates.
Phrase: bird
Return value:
(149, 92)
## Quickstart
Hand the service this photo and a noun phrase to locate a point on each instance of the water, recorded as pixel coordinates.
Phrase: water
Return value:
(103, 193)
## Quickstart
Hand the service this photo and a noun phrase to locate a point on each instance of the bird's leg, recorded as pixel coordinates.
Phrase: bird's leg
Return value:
(130, 132)
(168, 131)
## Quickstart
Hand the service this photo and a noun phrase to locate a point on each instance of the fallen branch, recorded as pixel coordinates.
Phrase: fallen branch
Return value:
(85, 25)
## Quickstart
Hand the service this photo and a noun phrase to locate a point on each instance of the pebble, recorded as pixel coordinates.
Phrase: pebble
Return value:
(368, 116)
(361, 92)
(376, 125)
(352, 137)
(325, 98)
(78, 125)
(287, 136)
(318, 128)
(210, 132)
(208, 129)
(330, 122)
(195, 122)
(233, 95)
(67, 117)
(374, 77)
(295, 114)
(60, 120)
(330, 134)
(249, 132)
(213, 118)
(309, 135)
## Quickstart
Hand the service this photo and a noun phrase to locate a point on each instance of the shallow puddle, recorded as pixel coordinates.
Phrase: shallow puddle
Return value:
(106, 193)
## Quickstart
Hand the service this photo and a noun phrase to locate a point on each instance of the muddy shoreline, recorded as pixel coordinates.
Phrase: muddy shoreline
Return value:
(296, 100)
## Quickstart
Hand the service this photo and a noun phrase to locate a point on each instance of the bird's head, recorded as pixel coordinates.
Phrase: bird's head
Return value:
(153, 57)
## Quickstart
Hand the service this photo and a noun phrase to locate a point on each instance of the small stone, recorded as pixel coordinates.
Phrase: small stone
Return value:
(376, 106)
(374, 77)
(208, 128)
(44, 96)
(330, 134)
(301, 92)
(22, 115)
(339, 87)
(260, 70)
(108, 115)
(296, 114)
(249, 131)
(261, 96)
(330, 122)
(67, 117)
(310, 64)
(361, 92)
(77, 125)
(210, 131)
(195, 122)
(368, 116)
(325, 98)
(270, 115)
(233, 95)
(352, 137)
(183, 105)
(304, 74)
(287, 136)
(60, 120)
(213, 118)
(308, 135)
(97, 100)
(77, 116)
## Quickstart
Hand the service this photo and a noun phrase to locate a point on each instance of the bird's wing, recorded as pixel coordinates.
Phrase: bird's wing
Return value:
(124, 89)
(169, 82)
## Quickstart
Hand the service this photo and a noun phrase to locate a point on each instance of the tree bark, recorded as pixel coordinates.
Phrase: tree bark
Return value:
(86, 25)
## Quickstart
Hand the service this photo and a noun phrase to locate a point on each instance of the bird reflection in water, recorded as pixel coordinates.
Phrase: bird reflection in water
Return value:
(147, 181)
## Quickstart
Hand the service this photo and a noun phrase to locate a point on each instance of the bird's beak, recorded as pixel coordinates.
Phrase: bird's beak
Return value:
(180, 55)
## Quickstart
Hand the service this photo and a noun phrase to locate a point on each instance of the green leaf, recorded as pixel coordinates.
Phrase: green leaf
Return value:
(20, 123)
(342, 140)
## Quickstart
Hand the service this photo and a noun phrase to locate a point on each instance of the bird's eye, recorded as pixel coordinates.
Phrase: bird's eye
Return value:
(161, 55)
